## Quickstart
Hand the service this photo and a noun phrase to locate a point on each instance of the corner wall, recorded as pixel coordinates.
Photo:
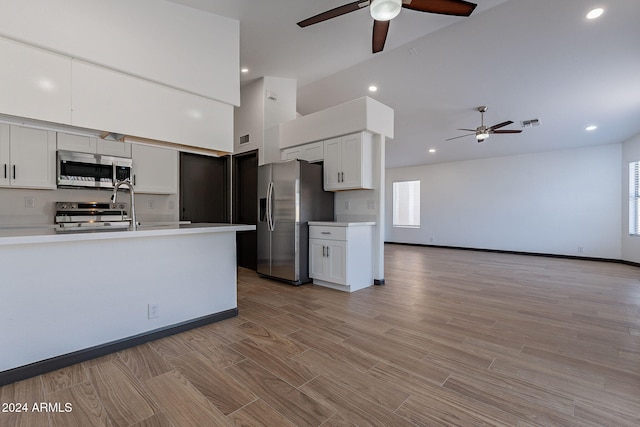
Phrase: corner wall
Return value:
(563, 202)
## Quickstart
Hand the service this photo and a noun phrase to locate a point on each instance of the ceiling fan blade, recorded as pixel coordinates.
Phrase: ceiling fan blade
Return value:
(500, 125)
(505, 131)
(334, 13)
(380, 30)
(462, 136)
(443, 7)
(469, 130)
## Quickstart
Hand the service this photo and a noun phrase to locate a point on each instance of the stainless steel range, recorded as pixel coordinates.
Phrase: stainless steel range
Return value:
(92, 216)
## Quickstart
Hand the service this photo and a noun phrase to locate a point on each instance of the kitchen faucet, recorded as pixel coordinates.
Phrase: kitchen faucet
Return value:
(126, 182)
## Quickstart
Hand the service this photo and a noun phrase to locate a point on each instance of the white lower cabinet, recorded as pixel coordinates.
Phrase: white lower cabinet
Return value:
(155, 170)
(340, 255)
(27, 157)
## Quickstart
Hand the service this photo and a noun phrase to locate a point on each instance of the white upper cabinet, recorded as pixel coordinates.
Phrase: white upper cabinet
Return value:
(82, 144)
(27, 157)
(161, 41)
(86, 144)
(155, 170)
(313, 152)
(34, 83)
(348, 162)
(115, 102)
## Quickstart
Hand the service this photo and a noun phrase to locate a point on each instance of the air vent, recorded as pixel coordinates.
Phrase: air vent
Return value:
(530, 123)
(244, 139)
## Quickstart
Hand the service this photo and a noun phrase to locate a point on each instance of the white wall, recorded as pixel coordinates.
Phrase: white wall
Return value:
(15, 207)
(552, 202)
(630, 244)
(260, 117)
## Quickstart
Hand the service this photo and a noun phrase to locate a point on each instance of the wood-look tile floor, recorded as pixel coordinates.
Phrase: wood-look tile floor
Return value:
(455, 338)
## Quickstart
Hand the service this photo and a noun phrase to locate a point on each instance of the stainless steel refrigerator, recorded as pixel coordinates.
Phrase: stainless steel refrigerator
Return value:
(290, 194)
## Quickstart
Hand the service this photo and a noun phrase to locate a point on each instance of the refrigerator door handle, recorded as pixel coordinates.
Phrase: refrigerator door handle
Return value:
(270, 223)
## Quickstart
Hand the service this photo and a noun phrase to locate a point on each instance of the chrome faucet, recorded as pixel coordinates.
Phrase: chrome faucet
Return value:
(127, 182)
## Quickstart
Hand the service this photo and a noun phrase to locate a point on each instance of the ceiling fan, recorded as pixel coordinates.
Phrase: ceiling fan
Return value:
(482, 132)
(382, 11)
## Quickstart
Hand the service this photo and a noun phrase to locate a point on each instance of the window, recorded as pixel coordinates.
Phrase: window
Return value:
(406, 204)
(634, 198)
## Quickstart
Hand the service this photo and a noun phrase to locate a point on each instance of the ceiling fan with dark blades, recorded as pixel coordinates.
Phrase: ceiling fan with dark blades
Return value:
(482, 132)
(383, 11)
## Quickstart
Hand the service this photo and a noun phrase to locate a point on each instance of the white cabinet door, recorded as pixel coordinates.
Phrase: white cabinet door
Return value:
(316, 259)
(336, 262)
(328, 260)
(111, 101)
(82, 144)
(155, 170)
(291, 153)
(87, 144)
(348, 162)
(351, 161)
(5, 161)
(34, 83)
(313, 152)
(33, 158)
(332, 163)
(113, 148)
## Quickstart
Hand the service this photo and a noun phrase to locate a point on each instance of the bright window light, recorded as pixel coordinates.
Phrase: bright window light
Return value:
(634, 198)
(406, 204)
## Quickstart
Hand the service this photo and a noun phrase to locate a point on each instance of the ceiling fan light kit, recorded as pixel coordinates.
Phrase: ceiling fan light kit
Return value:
(385, 10)
(483, 132)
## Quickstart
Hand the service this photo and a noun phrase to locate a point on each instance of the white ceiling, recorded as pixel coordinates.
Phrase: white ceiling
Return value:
(524, 59)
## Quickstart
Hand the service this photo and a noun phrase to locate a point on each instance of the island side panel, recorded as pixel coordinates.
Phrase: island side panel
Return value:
(68, 296)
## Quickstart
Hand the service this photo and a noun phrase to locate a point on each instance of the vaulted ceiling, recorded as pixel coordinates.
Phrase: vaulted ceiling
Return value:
(524, 59)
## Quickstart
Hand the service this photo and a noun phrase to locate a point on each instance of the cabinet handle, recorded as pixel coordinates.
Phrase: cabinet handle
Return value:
(338, 176)
(325, 232)
(14, 171)
(5, 171)
(342, 176)
(327, 251)
(134, 179)
(324, 253)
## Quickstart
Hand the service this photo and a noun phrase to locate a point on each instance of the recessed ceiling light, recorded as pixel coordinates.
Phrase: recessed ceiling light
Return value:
(591, 128)
(432, 150)
(595, 13)
(244, 70)
(373, 88)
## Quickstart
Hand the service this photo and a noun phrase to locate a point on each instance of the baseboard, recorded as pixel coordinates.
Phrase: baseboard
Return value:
(499, 251)
(38, 368)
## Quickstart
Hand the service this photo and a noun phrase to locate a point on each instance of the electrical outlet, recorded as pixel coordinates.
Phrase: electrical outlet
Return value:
(580, 250)
(371, 204)
(172, 205)
(151, 204)
(153, 311)
(347, 205)
(29, 202)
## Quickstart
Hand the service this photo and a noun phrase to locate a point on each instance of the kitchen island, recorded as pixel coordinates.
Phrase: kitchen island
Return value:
(69, 297)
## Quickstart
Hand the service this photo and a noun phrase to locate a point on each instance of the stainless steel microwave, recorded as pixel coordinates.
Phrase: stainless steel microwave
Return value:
(88, 170)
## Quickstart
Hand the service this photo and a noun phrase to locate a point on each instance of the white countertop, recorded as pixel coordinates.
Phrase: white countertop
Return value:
(48, 234)
(342, 224)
